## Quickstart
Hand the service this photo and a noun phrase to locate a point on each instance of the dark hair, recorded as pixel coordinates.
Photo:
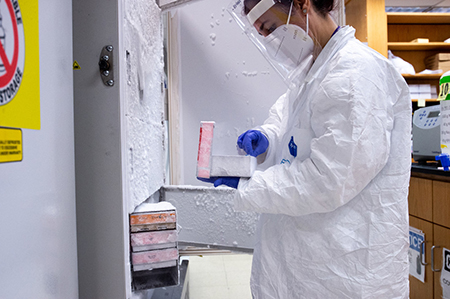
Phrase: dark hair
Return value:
(321, 6)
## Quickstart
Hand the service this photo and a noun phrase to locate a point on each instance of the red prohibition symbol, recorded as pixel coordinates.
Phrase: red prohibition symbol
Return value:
(10, 66)
(13, 58)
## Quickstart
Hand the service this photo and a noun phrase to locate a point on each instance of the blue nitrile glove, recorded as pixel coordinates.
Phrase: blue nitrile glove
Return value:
(253, 142)
(232, 182)
(445, 160)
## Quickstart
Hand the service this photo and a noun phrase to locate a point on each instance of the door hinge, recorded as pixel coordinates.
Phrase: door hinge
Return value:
(106, 65)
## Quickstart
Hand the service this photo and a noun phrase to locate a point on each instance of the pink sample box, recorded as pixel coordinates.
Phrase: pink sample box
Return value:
(152, 221)
(205, 149)
(147, 260)
(153, 240)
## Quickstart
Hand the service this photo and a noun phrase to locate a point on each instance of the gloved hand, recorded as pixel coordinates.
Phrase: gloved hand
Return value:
(229, 181)
(253, 142)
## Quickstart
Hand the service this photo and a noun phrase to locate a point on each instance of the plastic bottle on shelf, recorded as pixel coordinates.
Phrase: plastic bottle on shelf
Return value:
(444, 87)
(444, 97)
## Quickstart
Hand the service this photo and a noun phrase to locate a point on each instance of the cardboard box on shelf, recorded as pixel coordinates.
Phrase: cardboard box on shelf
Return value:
(440, 61)
(420, 40)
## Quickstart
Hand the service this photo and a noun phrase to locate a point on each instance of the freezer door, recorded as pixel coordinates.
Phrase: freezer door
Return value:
(205, 217)
(170, 4)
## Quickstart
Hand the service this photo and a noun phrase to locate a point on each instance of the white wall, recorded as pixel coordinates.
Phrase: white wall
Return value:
(38, 256)
(224, 78)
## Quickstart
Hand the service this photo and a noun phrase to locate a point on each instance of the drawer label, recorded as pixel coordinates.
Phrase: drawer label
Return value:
(445, 273)
(416, 245)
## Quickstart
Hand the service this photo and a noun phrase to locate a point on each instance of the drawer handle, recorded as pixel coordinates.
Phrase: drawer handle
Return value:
(421, 247)
(432, 259)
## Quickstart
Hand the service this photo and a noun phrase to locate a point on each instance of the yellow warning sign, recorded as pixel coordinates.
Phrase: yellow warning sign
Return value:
(76, 66)
(10, 145)
(19, 65)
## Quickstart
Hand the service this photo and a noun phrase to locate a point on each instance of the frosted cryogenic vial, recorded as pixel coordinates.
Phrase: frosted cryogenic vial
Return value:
(233, 166)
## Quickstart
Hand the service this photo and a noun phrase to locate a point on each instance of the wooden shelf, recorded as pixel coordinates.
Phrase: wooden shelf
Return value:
(368, 17)
(426, 100)
(422, 76)
(418, 18)
(419, 46)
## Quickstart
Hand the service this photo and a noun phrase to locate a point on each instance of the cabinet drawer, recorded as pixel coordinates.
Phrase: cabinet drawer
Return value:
(442, 239)
(441, 203)
(420, 198)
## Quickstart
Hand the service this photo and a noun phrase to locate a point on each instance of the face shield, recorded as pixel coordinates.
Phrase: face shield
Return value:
(287, 47)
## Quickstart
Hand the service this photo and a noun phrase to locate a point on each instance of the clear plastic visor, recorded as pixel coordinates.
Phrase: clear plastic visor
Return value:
(259, 21)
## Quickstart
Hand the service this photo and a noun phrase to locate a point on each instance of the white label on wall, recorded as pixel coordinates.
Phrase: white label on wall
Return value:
(445, 274)
(416, 240)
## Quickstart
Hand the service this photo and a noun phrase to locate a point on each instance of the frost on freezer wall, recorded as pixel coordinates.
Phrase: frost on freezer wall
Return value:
(206, 215)
(144, 100)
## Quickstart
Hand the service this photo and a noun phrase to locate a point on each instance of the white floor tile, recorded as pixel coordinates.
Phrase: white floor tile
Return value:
(233, 266)
(206, 264)
(239, 292)
(220, 276)
(238, 278)
(209, 292)
(207, 279)
(237, 257)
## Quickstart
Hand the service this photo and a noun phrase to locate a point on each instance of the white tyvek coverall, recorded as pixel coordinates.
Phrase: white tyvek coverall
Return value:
(334, 220)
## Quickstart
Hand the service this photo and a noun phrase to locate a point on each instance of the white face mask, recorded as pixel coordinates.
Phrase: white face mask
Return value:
(289, 45)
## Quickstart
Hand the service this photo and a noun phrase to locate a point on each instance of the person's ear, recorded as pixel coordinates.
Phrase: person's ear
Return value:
(303, 5)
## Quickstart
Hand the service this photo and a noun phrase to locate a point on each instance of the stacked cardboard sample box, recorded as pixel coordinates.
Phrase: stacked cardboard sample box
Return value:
(422, 91)
(154, 250)
(440, 61)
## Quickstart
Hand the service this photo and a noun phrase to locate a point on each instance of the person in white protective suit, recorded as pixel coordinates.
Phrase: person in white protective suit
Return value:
(332, 190)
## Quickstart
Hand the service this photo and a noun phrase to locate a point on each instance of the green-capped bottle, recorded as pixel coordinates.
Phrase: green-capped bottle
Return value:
(444, 95)
(444, 87)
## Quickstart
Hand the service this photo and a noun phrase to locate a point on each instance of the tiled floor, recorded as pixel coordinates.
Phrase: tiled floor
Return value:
(220, 276)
